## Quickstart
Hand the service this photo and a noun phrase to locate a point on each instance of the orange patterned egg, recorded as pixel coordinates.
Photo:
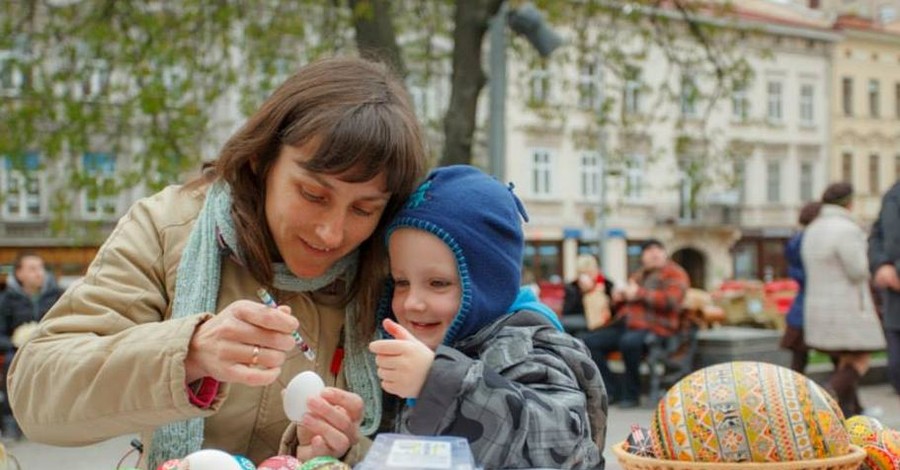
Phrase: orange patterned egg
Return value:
(747, 412)
(884, 452)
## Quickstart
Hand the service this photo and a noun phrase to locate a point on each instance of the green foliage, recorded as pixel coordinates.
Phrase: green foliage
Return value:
(145, 80)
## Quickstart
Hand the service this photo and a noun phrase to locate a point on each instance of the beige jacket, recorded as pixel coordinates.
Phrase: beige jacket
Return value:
(838, 311)
(104, 362)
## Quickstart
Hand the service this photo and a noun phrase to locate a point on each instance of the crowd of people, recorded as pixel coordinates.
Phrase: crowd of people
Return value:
(405, 286)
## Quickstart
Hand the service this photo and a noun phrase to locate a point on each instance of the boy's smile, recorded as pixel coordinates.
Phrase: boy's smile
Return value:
(427, 290)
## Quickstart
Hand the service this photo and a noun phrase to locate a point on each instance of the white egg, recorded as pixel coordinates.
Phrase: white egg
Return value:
(211, 459)
(302, 386)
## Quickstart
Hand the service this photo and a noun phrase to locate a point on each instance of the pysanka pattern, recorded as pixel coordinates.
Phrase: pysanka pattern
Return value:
(747, 412)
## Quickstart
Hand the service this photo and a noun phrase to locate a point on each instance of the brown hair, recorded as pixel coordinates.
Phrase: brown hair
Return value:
(839, 194)
(20, 258)
(365, 124)
(809, 212)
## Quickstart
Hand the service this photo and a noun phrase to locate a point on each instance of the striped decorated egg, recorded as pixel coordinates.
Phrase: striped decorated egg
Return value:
(882, 452)
(747, 412)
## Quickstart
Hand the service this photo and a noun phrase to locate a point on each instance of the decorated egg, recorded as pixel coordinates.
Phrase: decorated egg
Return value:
(302, 386)
(324, 463)
(747, 412)
(244, 462)
(210, 459)
(863, 430)
(639, 442)
(280, 462)
(882, 453)
(169, 465)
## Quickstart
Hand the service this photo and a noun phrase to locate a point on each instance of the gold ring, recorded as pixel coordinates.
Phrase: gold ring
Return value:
(255, 359)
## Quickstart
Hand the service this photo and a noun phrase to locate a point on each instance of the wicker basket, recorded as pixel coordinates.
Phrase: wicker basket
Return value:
(850, 461)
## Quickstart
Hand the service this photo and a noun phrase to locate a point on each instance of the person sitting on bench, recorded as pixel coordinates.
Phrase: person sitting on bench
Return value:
(651, 303)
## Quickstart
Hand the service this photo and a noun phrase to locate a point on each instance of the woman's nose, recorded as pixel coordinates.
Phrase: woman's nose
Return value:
(330, 229)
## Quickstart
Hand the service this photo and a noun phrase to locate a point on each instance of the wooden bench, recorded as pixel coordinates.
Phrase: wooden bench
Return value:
(668, 359)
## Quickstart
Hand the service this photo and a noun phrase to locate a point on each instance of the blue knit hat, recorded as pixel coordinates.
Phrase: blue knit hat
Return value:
(480, 219)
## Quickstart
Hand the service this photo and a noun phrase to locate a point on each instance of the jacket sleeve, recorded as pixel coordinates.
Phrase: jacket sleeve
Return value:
(103, 362)
(890, 225)
(852, 255)
(572, 300)
(877, 256)
(5, 333)
(519, 406)
(795, 262)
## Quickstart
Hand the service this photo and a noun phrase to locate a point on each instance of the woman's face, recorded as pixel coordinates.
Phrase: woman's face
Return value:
(317, 219)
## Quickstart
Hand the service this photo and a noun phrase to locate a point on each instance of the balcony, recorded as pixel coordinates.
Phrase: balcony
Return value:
(39, 232)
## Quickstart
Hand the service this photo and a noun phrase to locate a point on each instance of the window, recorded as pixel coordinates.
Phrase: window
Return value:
(544, 260)
(590, 89)
(774, 102)
(22, 186)
(740, 179)
(887, 14)
(874, 173)
(634, 177)
(873, 98)
(847, 167)
(541, 172)
(96, 79)
(99, 198)
(631, 100)
(897, 100)
(11, 77)
(685, 198)
(806, 182)
(540, 85)
(847, 95)
(897, 167)
(807, 99)
(689, 95)
(773, 181)
(740, 106)
(591, 175)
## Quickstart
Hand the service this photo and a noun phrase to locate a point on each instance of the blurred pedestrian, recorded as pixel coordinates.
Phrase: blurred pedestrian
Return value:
(884, 262)
(793, 333)
(589, 276)
(839, 316)
(651, 303)
(30, 293)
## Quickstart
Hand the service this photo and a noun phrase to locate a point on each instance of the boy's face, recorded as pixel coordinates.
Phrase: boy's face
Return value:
(427, 290)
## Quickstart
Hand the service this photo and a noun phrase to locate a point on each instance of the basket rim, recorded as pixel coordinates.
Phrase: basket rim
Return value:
(856, 455)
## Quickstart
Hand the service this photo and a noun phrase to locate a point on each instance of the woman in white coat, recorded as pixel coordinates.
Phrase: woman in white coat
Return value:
(839, 313)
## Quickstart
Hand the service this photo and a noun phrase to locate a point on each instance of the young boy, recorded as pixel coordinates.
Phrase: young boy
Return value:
(473, 354)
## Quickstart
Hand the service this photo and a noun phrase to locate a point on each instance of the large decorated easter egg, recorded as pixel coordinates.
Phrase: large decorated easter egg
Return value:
(747, 412)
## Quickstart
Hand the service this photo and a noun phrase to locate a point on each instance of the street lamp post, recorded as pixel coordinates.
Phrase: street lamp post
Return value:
(529, 22)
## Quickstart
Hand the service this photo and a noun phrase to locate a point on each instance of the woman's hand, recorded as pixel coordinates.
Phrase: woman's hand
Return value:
(403, 363)
(245, 343)
(331, 424)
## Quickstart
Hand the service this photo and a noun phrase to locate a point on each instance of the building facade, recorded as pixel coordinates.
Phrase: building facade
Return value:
(775, 130)
(865, 111)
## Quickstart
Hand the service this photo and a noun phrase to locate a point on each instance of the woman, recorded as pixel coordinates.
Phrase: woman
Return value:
(839, 315)
(793, 333)
(165, 335)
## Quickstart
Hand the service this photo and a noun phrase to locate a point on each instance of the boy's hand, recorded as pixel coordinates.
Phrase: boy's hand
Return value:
(403, 363)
